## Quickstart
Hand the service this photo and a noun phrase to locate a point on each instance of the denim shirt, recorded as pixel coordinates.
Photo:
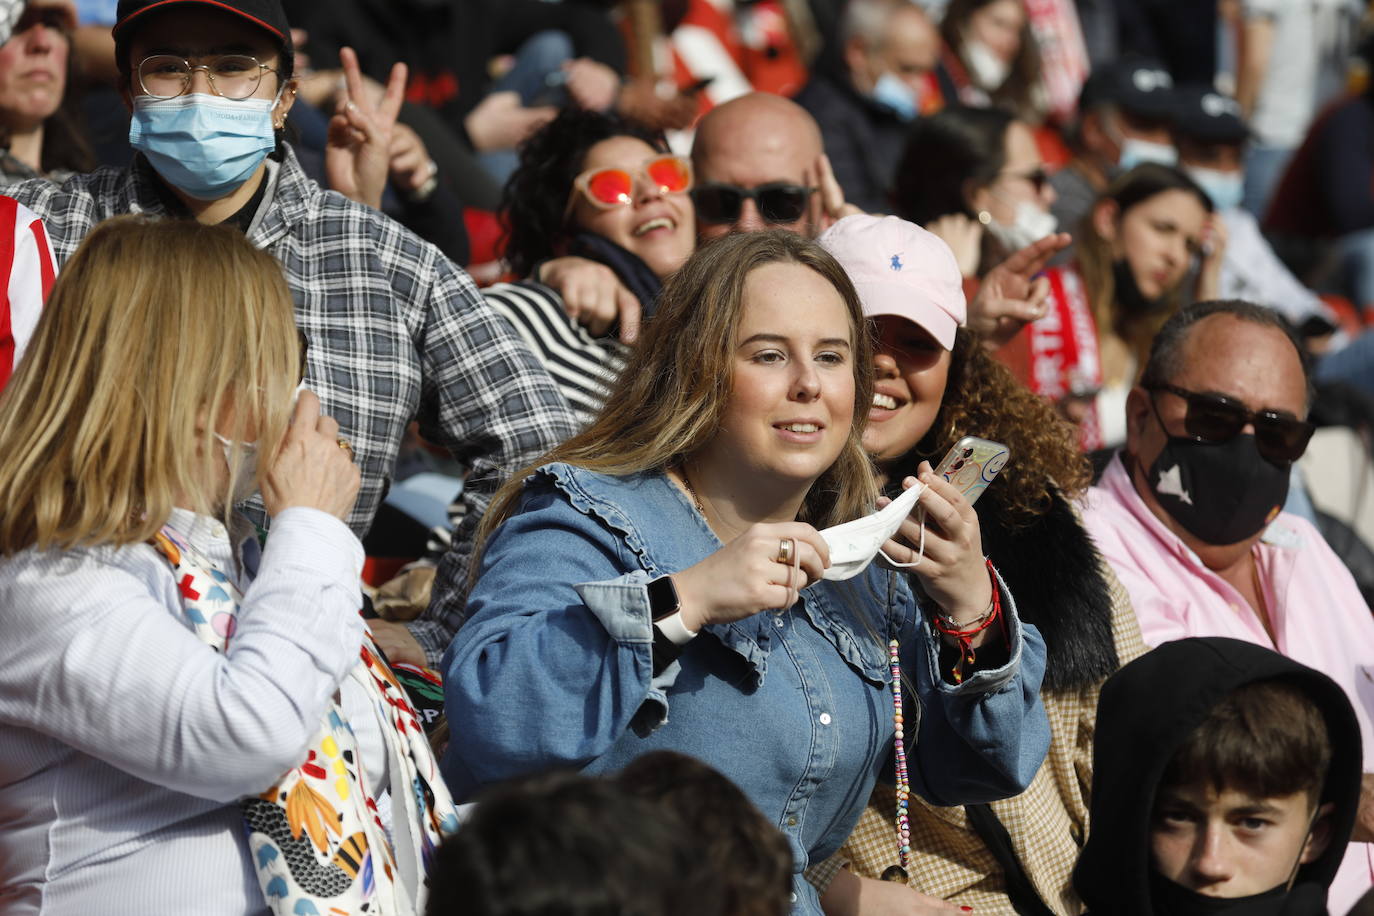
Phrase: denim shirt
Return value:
(554, 669)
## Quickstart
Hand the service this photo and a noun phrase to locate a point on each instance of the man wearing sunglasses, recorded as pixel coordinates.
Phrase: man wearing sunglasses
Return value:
(759, 163)
(1189, 516)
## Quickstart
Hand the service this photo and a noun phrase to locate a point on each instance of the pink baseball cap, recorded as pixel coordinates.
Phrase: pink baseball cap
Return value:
(898, 268)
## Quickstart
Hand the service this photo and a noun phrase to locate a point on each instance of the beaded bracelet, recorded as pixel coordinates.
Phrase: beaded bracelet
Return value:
(963, 634)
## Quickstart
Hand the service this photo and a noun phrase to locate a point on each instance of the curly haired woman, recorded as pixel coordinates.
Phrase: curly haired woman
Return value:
(934, 383)
(604, 190)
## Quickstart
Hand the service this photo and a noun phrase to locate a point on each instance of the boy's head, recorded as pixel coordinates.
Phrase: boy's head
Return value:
(1221, 770)
(1237, 809)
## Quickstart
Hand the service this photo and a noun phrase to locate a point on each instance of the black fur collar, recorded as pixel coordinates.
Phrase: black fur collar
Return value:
(1052, 569)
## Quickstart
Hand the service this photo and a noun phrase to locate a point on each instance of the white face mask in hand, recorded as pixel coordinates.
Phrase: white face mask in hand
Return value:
(853, 545)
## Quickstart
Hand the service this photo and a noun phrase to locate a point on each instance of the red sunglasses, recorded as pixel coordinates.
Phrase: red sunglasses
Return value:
(608, 188)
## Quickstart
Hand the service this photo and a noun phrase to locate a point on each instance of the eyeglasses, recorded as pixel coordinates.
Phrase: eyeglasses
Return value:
(1213, 418)
(777, 201)
(1038, 178)
(232, 76)
(608, 188)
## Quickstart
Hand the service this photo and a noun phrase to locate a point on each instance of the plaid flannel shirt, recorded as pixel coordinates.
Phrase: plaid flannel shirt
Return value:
(397, 332)
(1047, 823)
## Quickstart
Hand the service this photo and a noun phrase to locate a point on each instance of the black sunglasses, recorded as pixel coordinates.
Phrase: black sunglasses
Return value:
(778, 201)
(1213, 418)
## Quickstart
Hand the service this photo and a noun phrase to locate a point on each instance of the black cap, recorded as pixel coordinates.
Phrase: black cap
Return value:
(1207, 116)
(267, 14)
(1137, 85)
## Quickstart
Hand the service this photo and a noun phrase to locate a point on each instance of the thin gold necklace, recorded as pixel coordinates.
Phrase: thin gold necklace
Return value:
(691, 490)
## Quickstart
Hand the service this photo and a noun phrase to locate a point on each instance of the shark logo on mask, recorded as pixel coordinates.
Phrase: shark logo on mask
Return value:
(1171, 484)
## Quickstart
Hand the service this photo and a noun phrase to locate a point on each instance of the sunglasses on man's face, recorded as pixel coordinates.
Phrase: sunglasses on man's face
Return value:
(613, 187)
(777, 201)
(1213, 418)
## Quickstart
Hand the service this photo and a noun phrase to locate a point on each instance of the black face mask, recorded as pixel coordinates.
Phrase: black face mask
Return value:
(1168, 897)
(1129, 296)
(1220, 492)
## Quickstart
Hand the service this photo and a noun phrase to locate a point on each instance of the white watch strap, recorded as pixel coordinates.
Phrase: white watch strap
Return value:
(676, 631)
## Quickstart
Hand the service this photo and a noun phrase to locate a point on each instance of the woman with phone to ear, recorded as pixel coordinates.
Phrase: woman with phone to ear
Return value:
(657, 582)
(934, 384)
(190, 721)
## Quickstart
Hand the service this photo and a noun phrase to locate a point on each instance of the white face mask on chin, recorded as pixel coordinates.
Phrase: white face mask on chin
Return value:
(985, 68)
(1032, 224)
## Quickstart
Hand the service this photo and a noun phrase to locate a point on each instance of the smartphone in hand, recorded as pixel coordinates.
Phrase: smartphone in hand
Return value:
(972, 464)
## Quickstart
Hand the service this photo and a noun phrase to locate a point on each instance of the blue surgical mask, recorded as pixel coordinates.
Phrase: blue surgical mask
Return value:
(203, 144)
(1134, 152)
(889, 90)
(1227, 189)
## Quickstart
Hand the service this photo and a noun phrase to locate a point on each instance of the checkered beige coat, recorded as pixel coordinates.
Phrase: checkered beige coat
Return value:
(1047, 823)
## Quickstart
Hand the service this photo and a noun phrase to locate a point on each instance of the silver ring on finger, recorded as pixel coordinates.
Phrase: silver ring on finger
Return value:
(786, 546)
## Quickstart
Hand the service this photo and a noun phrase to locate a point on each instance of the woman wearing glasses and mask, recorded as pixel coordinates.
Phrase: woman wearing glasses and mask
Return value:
(190, 722)
(656, 581)
(591, 186)
(975, 178)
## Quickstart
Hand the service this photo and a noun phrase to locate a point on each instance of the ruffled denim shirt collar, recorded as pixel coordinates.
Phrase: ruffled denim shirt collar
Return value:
(667, 534)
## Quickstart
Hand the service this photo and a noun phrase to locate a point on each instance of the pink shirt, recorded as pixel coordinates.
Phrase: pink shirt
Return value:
(1315, 607)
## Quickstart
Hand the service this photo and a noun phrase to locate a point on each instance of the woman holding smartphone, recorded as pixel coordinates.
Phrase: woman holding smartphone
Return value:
(629, 587)
(934, 384)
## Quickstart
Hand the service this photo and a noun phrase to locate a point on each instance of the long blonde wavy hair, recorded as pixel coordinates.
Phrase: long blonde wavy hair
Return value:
(156, 335)
(668, 401)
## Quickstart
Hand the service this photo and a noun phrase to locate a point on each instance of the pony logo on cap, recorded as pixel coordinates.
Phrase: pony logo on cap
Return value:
(896, 262)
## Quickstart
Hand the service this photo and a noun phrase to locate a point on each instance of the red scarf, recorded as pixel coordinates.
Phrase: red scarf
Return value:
(1064, 357)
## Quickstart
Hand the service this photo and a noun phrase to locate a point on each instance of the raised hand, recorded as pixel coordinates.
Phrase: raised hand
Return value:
(1214, 239)
(591, 85)
(499, 121)
(1011, 295)
(827, 206)
(411, 168)
(357, 156)
(312, 468)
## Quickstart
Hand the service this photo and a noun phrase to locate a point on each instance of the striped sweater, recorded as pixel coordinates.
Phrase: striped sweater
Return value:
(584, 367)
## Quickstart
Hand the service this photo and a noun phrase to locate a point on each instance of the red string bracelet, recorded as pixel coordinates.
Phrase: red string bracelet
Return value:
(964, 638)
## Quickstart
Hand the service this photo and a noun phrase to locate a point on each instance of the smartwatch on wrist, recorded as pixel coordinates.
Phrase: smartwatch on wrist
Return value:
(670, 633)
